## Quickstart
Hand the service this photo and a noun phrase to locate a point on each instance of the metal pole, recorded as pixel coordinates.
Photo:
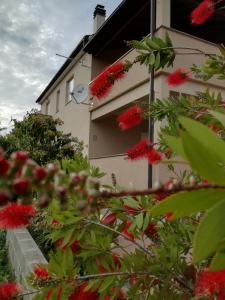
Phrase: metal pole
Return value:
(152, 87)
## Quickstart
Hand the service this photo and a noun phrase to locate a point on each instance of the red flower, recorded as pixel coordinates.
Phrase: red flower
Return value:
(144, 150)
(84, 294)
(151, 230)
(41, 272)
(202, 12)
(39, 173)
(109, 219)
(154, 156)
(103, 83)
(126, 231)
(178, 77)
(209, 283)
(169, 216)
(21, 186)
(9, 290)
(4, 197)
(4, 166)
(130, 118)
(20, 156)
(14, 215)
(75, 246)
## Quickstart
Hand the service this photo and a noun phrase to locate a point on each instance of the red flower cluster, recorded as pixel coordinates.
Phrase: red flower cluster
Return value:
(21, 186)
(39, 173)
(151, 230)
(103, 83)
(178, 77)
(9, 290)
(202, 12)
(41, 272)
(144, 150)
(210, 284)
(20, 156)
(15, 215)
(130, 118)
(83, 293)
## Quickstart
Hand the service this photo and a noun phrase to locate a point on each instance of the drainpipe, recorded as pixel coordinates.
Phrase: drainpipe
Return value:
(152, 87)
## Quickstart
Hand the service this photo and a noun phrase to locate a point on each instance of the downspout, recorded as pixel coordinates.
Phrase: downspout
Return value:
(152, 88)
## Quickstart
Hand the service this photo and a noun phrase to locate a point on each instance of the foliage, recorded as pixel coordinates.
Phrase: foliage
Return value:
(5, 270)
(39, 135)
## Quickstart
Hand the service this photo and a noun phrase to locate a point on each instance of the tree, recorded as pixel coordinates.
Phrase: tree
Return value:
(39, 135)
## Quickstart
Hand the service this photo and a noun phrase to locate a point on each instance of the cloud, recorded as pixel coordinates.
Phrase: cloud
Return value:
(31, 33)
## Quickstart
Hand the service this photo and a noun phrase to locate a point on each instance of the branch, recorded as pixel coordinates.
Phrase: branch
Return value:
(121, 234)
(175, 189)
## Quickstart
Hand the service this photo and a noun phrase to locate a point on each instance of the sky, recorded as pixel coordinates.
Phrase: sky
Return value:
(31, 33)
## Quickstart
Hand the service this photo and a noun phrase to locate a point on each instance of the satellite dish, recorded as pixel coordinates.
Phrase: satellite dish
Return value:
(80, 93)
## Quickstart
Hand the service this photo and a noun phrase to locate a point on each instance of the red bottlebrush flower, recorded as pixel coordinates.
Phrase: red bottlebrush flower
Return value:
(143, 149)
(202, 12)
(83, 293)
(75, 246)
(41, 272)
(169, 216)
(103, 83)
(209, 283)
(4, 166)
(139, 150)
(151, 230)
(178, 77)
(9, 290)
(126, 231)
(130, 118)
(21, 186)
(15, 215)
(109, 219)
(4, 197)
(154, 156)
(20, 156)
(39, 173)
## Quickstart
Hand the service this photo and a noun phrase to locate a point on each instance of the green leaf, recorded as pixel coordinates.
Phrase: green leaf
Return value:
(219, 116)
(168, 40)
(153, 45)
(175, 144)
(186, 203)
(106, 283)
(203, 159)
(132, 203)
(139, 220)
(139, 45)
(151, 59)
(205, 136)
(157, 61)
(67, 262)
(218, 261)
(209, 233)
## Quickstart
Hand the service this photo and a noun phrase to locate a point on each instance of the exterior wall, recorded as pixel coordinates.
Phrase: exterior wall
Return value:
(128, 175)
(75, 117)
(133, 88)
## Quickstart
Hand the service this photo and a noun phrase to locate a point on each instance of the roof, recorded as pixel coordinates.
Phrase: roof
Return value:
(74, 53)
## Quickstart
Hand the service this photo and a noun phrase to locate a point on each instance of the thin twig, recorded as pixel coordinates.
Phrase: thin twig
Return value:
(119, 233)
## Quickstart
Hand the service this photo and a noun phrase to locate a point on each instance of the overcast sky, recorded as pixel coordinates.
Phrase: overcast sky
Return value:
(31, 32)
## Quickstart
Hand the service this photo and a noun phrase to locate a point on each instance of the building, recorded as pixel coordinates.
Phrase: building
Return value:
(96, 125)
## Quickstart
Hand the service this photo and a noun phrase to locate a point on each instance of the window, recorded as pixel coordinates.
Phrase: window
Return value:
(69, 89)
(47, 108)
(57, 101)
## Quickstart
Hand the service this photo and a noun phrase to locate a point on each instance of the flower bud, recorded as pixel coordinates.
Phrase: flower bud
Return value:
(21, 186)
(74, 178)
(4, 165)
(39, 173)
(20, 156)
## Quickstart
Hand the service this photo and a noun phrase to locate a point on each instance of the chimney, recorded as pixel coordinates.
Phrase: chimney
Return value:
(99, 16)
